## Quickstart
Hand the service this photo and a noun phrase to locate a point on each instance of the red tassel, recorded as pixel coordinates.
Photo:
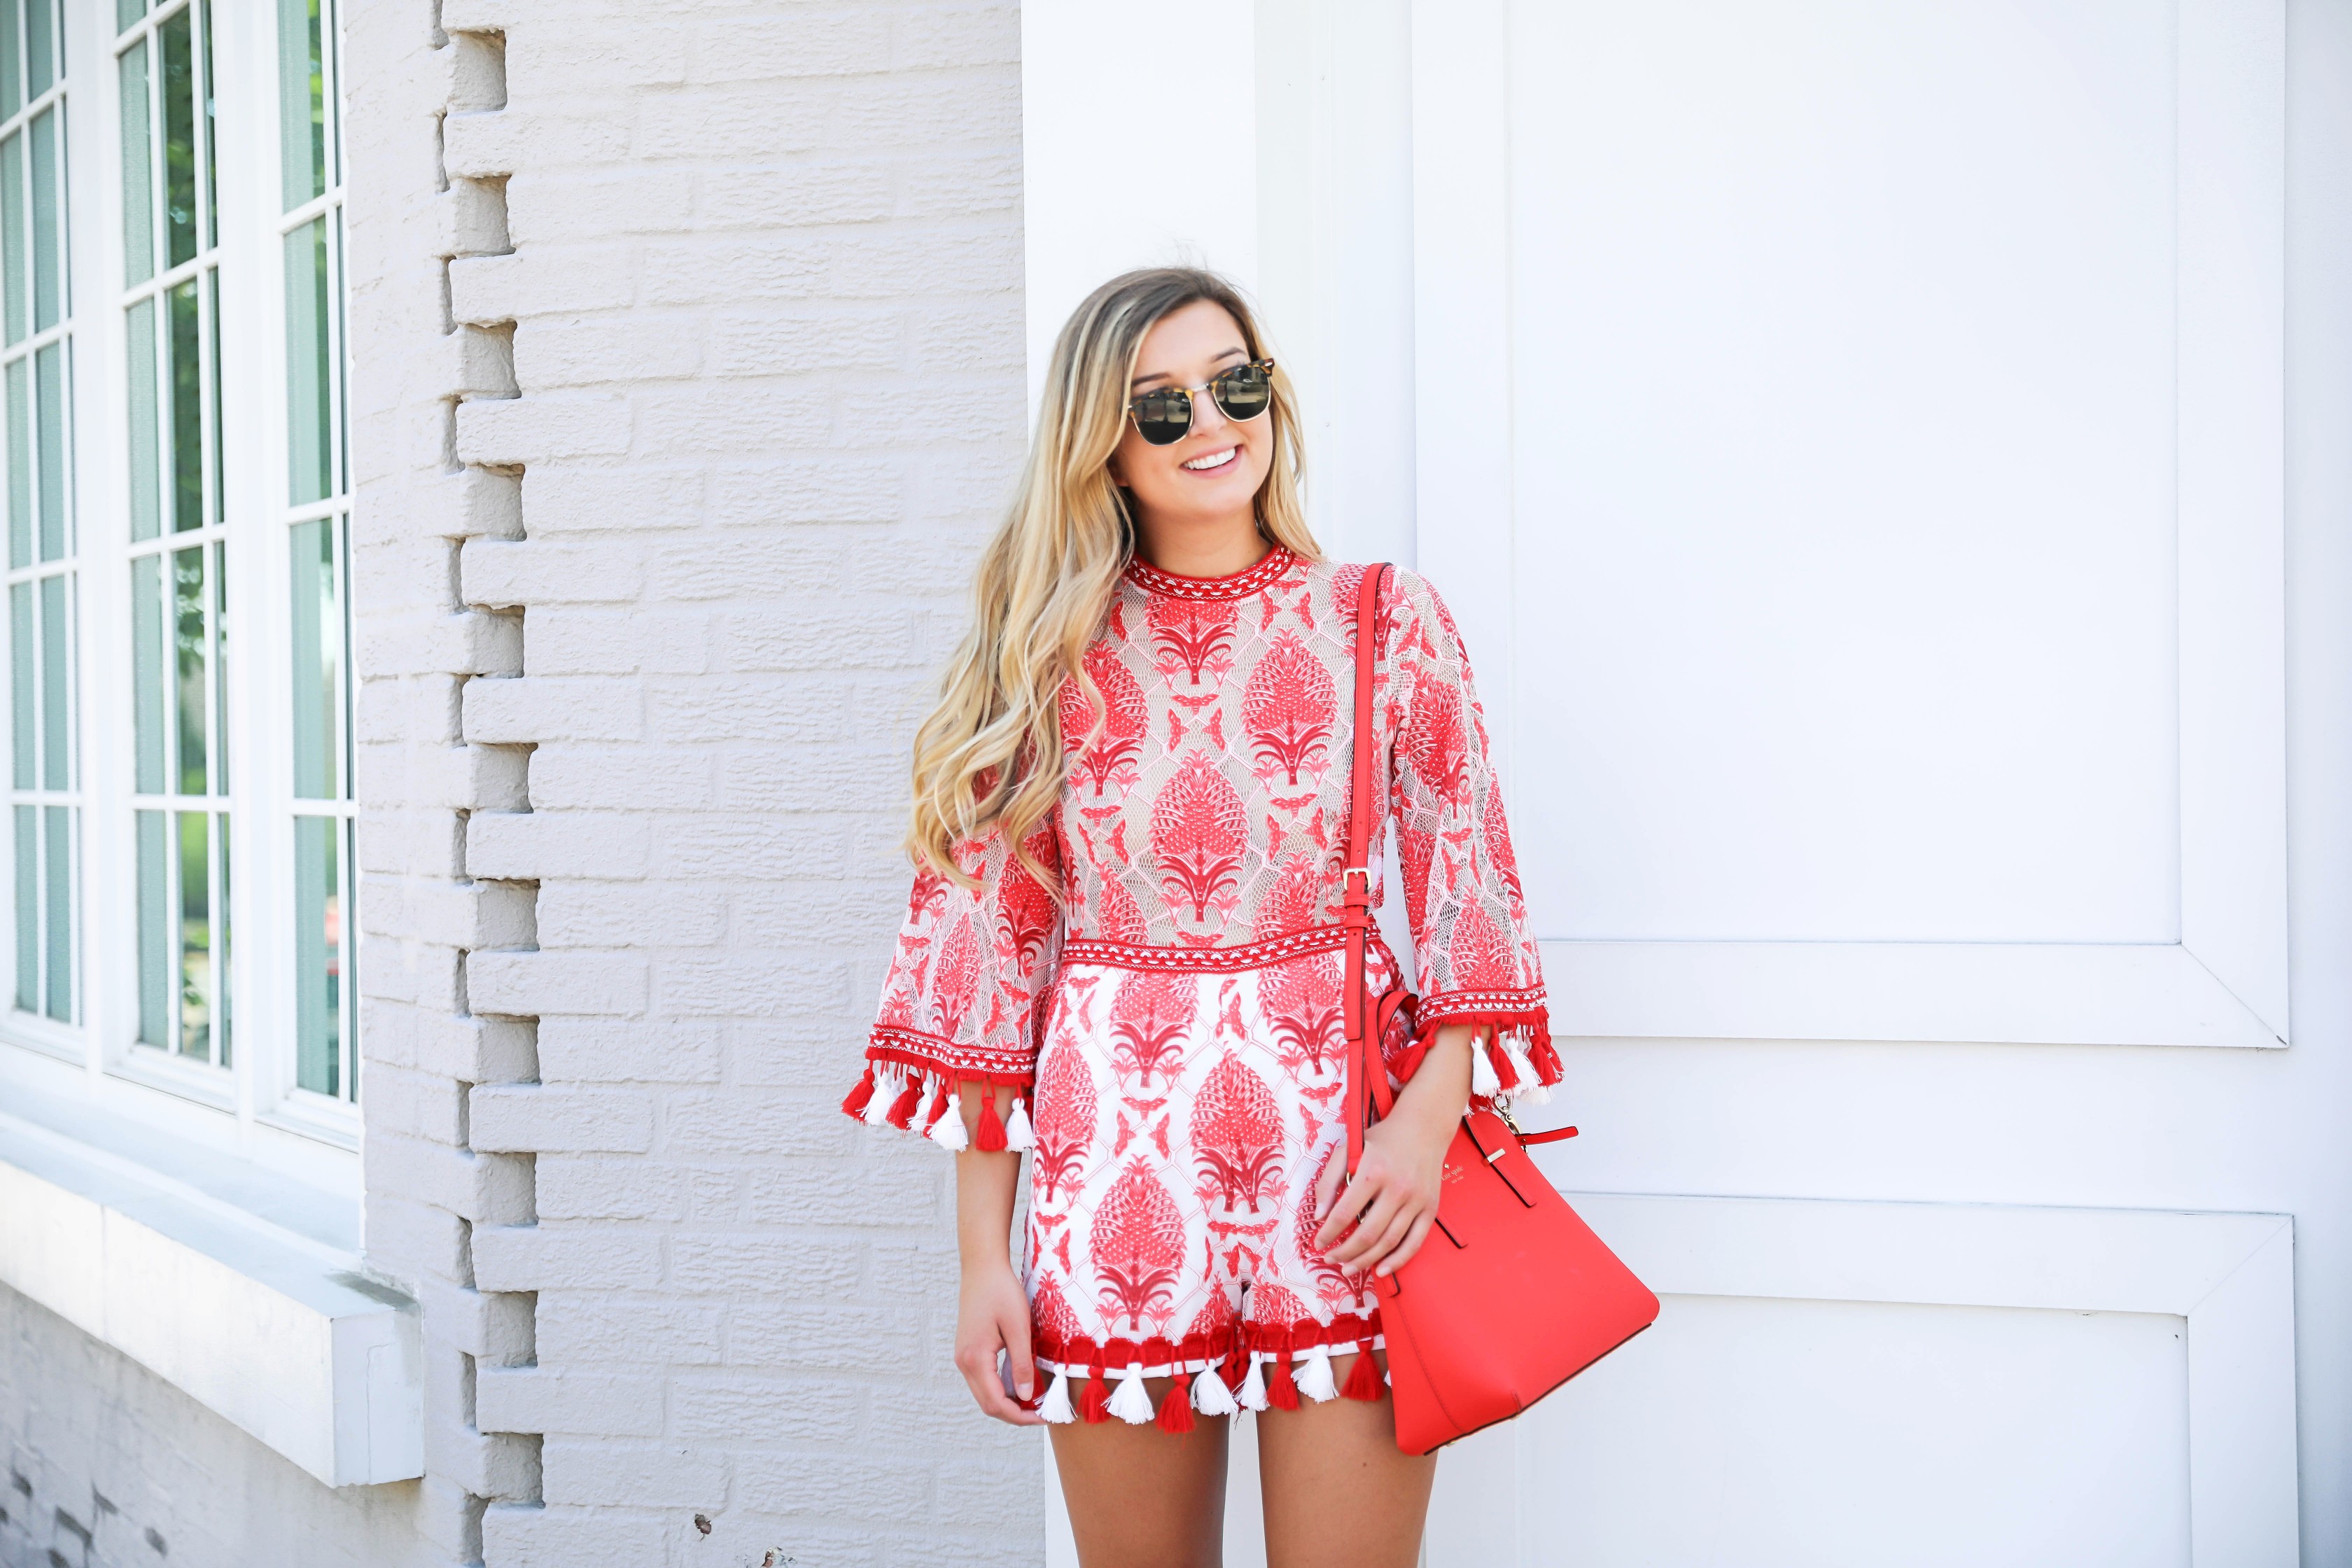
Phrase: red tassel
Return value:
(902, 1109)
(1235, 1371)
(1364, 1383)
(1176, 1410)
(1281, 1391)
(859, 1094)
(1094, 1405)
(991, 1130)
(1547, 1060)
(1503, 1071)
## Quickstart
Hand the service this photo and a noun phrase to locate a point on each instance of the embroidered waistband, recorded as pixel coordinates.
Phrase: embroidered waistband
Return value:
(1209, 959)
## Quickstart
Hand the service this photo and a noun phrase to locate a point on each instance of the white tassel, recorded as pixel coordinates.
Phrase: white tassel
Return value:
(1209, 1395)
(922, 1119)
(1530, 1085)
(948, 1131)
(1130, 1400)
(1315, 1379)
(885, 1090)
(1057, 1408)
(1018, 1133)
(1253, 1391)
(1483, 1081)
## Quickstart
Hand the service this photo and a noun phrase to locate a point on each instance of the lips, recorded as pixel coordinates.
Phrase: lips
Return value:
(1208, 462)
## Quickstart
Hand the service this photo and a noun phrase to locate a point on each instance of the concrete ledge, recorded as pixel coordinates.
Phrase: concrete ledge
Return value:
(275, 1330)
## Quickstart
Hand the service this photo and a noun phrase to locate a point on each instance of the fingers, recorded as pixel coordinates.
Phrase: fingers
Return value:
(979, 1365)
(1382, 1227)
(1326, 1185)
(1346, 1208)
(1413, 1237)
(1024, 1364)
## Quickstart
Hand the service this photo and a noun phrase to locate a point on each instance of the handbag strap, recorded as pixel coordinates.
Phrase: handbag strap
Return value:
(1365, 1015)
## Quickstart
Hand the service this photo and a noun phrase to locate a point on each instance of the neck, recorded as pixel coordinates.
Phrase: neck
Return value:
(1201, 547)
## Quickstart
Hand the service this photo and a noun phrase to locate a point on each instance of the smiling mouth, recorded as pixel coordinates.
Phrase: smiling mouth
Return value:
(1209, 460)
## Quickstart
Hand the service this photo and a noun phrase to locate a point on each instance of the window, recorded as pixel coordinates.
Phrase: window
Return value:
(183, 833)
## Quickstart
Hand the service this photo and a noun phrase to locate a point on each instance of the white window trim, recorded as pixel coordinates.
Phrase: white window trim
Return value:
(252, 1106)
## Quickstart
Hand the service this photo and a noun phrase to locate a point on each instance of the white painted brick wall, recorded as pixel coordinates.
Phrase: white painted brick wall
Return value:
(690, 340)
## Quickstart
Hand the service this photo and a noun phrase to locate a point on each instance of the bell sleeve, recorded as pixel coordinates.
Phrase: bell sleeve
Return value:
(963, 1000)
(1473, 946)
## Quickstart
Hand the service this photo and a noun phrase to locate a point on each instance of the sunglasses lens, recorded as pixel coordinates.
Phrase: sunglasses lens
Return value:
(1161, 418)
(1244, 391)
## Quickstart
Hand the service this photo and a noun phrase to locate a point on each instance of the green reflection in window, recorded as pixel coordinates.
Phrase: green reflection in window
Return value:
(19, 396)
(188, 410)
(48, 230)
(301, 103)
(195, 965)
(192, 655)
(155, 956)
(139, 390)
(28, 910)
(138, 170)
(308, 406)
(57, 743)
(179, 137)
(15, 253)
(40, 47)
(318, 954)
(49, 413)
(21, 677)
(147, 674)
(318, 660)
(58, 871)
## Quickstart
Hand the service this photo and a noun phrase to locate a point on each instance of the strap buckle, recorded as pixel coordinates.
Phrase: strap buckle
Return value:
(1356, 895)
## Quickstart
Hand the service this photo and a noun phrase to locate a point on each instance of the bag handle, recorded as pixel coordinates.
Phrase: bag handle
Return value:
(1367, 1018)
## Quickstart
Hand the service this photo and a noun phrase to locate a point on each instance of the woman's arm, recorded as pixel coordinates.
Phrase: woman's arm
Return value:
(991, 1312)
(1391, 1201)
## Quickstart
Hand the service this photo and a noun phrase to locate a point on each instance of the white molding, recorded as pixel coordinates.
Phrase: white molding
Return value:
(2230, 1276)
(2225, 984)
(272, 1331)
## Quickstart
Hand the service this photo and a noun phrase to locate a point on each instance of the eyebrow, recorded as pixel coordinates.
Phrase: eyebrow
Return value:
(1138, 382)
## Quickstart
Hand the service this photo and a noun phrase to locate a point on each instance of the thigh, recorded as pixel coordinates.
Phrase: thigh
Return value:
(1142, 1497)
(1339, 1491)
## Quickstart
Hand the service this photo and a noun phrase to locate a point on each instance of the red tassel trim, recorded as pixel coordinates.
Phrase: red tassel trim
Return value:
(1094, 1405)
(991, 1130)
(1235, 1369)
(902, 1109)
(1505, 1073)
(1546, 1060)
(1176, 1410)
(859, 1094)
(1281, 1389)
(939, 1109)
(1364, 1382)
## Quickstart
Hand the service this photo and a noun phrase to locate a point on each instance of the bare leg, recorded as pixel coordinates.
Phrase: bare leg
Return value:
(1339, 1491)
(1141, 1498)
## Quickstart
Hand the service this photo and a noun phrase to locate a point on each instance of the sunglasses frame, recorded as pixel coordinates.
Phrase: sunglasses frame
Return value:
(1191, 408)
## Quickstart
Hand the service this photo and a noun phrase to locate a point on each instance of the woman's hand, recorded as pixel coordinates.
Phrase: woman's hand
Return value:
(1391, 1201)
(991, 1313)
(993, 1316)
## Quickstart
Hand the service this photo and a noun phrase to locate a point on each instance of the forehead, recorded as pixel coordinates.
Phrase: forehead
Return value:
(1188, 336)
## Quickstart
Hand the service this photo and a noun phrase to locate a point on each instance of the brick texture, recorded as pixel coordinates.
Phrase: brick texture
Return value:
(688, 344)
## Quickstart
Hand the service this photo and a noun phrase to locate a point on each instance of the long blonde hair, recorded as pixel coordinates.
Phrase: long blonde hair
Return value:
(990, 755)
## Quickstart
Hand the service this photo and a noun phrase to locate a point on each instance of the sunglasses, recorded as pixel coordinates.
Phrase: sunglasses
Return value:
(1164, 414)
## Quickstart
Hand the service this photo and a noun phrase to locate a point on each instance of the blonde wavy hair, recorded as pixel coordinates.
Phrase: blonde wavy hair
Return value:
(990, 755)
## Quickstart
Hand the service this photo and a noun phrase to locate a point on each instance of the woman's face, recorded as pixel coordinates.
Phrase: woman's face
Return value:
(1212, 474)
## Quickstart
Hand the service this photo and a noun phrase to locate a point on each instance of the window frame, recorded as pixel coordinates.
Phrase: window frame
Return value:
(251, 1104)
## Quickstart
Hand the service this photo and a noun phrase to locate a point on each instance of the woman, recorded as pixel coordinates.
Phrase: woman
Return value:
(1122, 952)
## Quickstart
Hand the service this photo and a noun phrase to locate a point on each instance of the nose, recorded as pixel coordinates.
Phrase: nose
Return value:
(1208, 419)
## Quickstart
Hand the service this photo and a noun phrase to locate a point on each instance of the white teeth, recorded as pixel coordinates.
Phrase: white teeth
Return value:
(1212, 461)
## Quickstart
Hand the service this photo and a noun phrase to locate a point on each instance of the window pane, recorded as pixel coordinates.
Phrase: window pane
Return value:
(29, 910)
(317, 655)
(309, 410)
(220, 676)
(40, 45)
(206, 94)
(12, 237)
(318, 941)
(58, 867)
(195, 975)
(220, 418)
(146, 478)
(56, 707)
(155, 956)
(22, 676)
(147, 673)
(301, 103)
(20, 462)
(188, 641)
(49, 410)
(179, 139)
(187, 412)
(49, 234)
(127, 11)
(12, 66)
(220, 951)
(138, 171)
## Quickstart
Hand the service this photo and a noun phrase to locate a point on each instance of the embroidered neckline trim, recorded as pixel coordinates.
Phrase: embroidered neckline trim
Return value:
(1257, 579)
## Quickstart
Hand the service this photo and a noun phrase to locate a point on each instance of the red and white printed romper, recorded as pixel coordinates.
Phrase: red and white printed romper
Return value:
(1174, 1027)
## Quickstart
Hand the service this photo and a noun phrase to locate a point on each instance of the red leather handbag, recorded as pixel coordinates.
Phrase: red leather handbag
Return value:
(1512, 1294)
